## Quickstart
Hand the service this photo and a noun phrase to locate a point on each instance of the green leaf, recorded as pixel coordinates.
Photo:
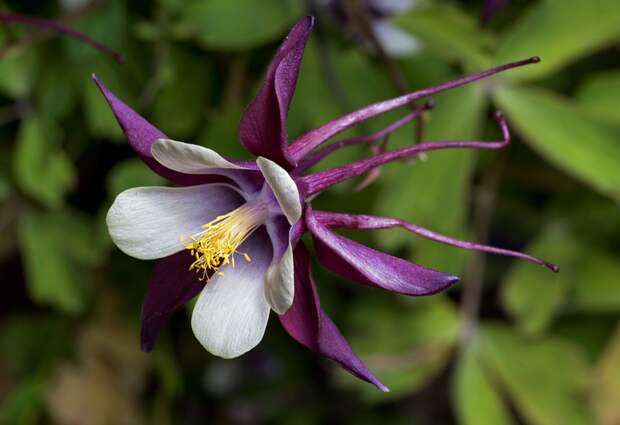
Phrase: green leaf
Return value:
(221, 133)
(179, 107)
(316, 102)
(606, 385)
(20, 339)
(23, 404)
(546, 379)
(450, 32)
(563, 135)
(433, 192)
(597, 285)
(238, 24)
(131, 173)
(17, 71)
(56, 91)
(6, 189)
(404, 345)
(533, 295)
(107, 26)
(560, 32)
(58, 249)
(599, 94)
(476, 400)
(588, 281)
(41, 170)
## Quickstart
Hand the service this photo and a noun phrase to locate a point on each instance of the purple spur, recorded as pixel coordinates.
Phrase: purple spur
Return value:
(230, 231)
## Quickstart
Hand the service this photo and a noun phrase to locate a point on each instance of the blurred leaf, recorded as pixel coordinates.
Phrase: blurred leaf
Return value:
(221, 133)
(564, 136)
(433, 192)
(21, 336)
(168, 371)
(588, 281)
(56, 91)
(560, 32)
(405, 346)
(238, 24)
(131, 173)
(476, 400)
(105, 381)
(589, 332)
(426, 69)
(57, 249)
(600, 93)
(450, 32)
(606, 385)
(23, 404)
(545, 379)
(317, 102)
(595, 219)
(532, 294)
(17, 71)
(5, 189)
(41, 170)
(597, 285)
(107, 26)
(180, 105)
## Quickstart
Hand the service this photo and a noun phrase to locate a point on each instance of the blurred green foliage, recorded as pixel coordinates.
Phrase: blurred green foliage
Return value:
(541, 349)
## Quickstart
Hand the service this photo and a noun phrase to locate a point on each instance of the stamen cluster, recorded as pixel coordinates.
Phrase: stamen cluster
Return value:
(217, 244)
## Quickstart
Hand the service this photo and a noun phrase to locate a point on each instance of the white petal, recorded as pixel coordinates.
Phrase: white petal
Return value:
(148, 222)
(280, 283)
(283, 186)
(188, 158)
(396, 42)
(231, 313)
(280, 278)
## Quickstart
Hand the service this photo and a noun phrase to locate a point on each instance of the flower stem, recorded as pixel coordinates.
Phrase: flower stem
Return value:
(484, 204)
(55, 27)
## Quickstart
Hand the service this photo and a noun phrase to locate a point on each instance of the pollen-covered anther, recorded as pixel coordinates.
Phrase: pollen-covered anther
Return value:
(216, 245)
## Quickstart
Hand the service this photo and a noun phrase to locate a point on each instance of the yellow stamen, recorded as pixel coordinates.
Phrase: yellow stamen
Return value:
(216, 245)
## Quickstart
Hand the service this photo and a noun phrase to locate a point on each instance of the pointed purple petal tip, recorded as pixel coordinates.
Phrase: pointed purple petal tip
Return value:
(263, 128)
(382, 387)
(447, 284)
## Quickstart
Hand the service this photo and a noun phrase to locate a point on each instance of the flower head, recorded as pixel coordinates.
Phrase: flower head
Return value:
(231, 230)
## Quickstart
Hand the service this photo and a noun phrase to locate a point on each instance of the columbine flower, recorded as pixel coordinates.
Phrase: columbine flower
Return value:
(231, 232)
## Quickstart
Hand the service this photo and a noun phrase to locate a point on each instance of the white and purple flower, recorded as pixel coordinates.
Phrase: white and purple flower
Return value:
(230, 232)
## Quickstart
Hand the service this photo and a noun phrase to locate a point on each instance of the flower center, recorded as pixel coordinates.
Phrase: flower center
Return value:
(216, 245)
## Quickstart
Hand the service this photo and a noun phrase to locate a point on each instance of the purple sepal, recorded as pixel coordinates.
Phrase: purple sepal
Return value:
(321, 180)
(367, 266)
(171, 286)
(369, 222)
(263, 127)
(311, 140)
(308, 324)
(141, 134)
